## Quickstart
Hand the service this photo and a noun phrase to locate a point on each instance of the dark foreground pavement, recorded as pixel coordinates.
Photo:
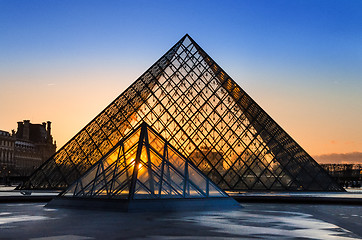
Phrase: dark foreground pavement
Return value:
(254, 221)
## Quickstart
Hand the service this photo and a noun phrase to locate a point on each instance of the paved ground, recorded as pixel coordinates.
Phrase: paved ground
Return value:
(254, 221)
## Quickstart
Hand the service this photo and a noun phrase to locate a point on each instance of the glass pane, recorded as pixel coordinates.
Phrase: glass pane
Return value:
(177, 161)
(123, 173)
(156, 143)
(122, 191)
(156, 162)
(173, 179)
(70, 191)
(99, 184)
(215, 192)
(86, 179)
(86, 191)
(197, 179)
(191, 191)
(132, 140)
(112, 157)
(168, 192)
(130, 156)
(144, 174)
(141, 192)
(109, 171)
(102, 191)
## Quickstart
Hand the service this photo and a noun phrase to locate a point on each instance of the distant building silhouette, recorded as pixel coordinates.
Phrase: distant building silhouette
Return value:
(347, 175)
(24, 150)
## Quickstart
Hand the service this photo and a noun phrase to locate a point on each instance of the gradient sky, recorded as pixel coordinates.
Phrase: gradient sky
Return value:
(65, 61)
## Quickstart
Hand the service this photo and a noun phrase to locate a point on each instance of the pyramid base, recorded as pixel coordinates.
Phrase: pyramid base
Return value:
(146, 205)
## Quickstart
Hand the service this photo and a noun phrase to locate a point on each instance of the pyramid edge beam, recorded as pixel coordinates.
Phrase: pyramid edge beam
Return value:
(227, 80)
(142, 137)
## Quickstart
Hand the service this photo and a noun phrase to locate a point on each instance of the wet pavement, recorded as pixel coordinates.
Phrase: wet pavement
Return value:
(253, 221)
(11, 192)
(349, 194)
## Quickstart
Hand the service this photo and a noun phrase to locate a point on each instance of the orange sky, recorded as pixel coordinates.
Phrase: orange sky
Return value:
(318, 125)
(300, 61)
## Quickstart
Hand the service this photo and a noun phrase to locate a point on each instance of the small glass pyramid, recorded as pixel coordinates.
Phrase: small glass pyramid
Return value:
(144, 166)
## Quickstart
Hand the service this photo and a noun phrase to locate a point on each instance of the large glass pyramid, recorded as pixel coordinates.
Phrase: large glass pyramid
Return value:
(206, 116)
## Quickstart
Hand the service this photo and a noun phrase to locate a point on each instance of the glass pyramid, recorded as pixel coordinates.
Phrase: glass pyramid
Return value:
(206, 116)
(143, 166)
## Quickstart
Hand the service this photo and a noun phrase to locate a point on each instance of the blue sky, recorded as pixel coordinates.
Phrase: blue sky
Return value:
(300, 60)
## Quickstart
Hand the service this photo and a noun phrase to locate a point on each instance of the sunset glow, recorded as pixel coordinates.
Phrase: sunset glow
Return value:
(300, 61)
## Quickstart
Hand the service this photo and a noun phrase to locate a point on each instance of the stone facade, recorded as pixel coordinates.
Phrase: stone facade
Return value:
(21, 152)
(7, 149)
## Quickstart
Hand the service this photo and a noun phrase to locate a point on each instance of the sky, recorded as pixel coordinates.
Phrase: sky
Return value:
(65, 61)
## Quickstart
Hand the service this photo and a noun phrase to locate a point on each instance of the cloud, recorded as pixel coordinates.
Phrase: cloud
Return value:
(352, 158)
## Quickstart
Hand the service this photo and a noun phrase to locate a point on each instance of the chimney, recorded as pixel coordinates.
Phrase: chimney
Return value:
(20, 128)
(49, 128)
(26, 129)
(44, 125)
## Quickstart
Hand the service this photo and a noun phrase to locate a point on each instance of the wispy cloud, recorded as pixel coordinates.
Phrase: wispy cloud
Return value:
(353, 158)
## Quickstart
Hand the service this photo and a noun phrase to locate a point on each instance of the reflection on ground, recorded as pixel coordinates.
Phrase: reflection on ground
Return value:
(254, 221)
(272, 225)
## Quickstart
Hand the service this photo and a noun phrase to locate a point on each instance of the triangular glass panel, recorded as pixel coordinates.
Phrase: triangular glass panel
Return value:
(215, 191)
(70, 192)
(142, 192)
(192, 192)
(169, 192)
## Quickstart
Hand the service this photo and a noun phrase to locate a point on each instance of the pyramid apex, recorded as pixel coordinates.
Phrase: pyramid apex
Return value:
(187, 36)
(144, 124)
